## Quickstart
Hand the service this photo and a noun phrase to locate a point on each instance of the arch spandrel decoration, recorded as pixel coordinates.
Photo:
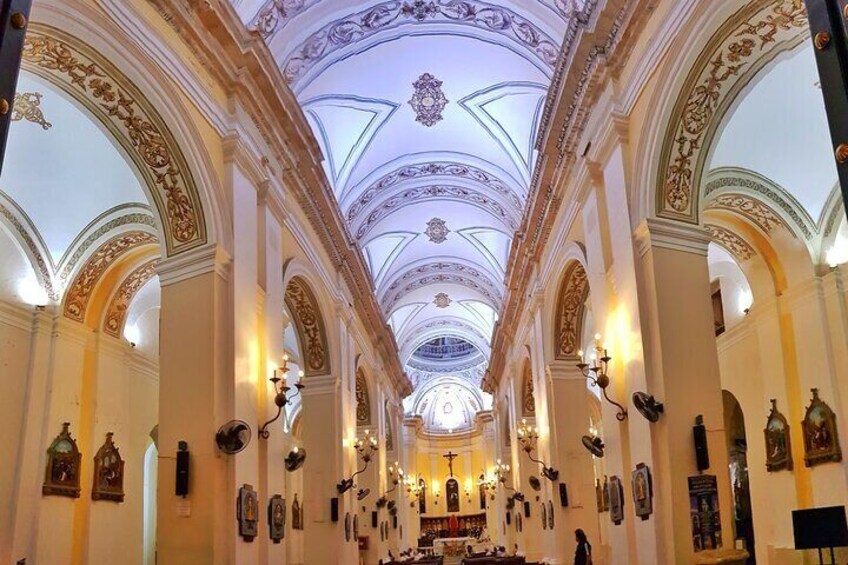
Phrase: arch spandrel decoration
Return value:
(528, 396)
(118, 105)
(116, 315)
(363, 400)
(755, 34)
(571, 306)
(301, 303)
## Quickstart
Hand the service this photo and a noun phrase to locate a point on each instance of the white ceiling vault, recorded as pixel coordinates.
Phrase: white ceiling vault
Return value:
(426, 112)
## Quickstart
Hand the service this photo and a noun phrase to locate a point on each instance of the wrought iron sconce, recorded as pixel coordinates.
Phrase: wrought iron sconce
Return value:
(365, 448)
(528, 436)
(597, 373)
(414, 486)
(496, 477)
(396, 477)
(281, 399)
(437, 492)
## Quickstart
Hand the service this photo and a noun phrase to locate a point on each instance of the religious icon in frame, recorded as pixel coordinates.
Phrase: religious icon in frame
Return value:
(347, 526)
(355, 527)
(544, 515)
(297, 514)
(616, 498)
(821, 440)
(247, 510)
(642, 491)
(108, 473)
(550, 514)
(62, 475)
(605, 495)
(277, 518)
(778, 447)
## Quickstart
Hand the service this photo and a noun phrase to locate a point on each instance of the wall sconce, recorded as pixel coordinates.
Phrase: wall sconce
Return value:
(528, 436)
(597, 373)
(281, 399)
(437, 492)
(414, 486)
(365, 448)
(396, 477)
(467, 489)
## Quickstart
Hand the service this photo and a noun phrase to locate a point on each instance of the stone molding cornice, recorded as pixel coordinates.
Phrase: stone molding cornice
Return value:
(18, 316)
(206, 259)
(74, 332)
(238, 152)
(244, 65)
(321, 385)
(668, 234)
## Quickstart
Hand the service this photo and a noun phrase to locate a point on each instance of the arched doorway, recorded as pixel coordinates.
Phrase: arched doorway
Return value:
(737, 456)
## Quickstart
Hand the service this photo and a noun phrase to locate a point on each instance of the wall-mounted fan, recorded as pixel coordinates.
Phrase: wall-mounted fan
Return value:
(535, 483)
(233, 437)
(594, 444)
(295, 459)
(647, 406)
(362, 493)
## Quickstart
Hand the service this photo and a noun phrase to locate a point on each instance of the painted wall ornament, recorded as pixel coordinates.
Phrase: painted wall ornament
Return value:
(821, 440)
(247, 512)
(302, 304)
(437, 231)
(62, 477)
(363, 401)
(442, 300)
(551, 514)
(643, 487)
(108, 473)
(277, 518)
(616, 500)
(573, 292)
(778, 447)
(428, 100)
(27, 106)
(528, 397)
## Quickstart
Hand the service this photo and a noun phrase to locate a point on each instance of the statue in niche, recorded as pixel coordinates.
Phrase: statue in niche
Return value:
(778, 447)
(452, 493)
(108, 473)
(821, 442)
(62, 476)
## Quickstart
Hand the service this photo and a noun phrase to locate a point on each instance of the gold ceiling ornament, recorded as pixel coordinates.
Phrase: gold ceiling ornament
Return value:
(87, 77)
(27, 106)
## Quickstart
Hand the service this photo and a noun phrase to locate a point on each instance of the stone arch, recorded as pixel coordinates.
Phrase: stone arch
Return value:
(744, 44)
(132, 121)
(309, 325)
(528, 395)
(363, 399)
(570, 311)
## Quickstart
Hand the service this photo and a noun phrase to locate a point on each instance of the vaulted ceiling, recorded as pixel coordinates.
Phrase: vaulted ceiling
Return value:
(426, 113)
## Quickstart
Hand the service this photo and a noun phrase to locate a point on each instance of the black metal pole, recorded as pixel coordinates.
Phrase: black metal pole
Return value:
(828, 21)
(14, 17)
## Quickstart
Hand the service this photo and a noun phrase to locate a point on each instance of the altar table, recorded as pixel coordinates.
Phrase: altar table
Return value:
(453, 549)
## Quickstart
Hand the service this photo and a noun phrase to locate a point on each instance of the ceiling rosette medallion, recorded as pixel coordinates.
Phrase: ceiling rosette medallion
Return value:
(442, 300)
(428, 100)
(436, 230)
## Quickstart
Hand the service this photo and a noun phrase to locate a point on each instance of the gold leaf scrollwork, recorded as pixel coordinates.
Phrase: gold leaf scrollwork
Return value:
(27, 107)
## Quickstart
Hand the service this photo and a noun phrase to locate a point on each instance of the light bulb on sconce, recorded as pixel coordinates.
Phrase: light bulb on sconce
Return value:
(528, 436)
(597, 373)
(281, 398)
(365, 447)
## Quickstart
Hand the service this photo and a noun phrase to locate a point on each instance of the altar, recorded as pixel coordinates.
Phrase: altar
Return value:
(453, 549)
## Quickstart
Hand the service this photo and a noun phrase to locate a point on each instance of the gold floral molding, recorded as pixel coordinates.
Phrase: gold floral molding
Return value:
(749, 37)
(528, 397)
(309, 324)
(573, 292)
(363, 400)
(734, 244)
(759, 213)
(116, 315)
(27, 234)
(90, 79)
(27, 106)
(79, 293)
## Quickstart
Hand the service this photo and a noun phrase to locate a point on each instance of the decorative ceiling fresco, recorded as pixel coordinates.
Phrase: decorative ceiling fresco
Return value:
(426, 112)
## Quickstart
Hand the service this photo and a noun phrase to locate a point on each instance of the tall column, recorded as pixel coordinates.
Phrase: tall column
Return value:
(568, 401)
(408, 518)
(683, 373)
(323, 434)
(195, 398)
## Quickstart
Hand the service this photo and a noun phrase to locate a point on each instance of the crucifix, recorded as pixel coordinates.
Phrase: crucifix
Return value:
(450, 456)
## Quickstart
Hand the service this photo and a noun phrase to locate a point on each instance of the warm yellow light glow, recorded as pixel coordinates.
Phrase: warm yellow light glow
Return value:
(296, 449)
(436, 487)
(746, 300)
(132, 334)
(838, 252)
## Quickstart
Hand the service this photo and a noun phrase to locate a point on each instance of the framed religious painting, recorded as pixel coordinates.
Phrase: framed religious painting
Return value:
(347, 525)
(821, 441)
(108, 473)
(277, 518)
(544, 516)
(642, 491)
(247, 512)
(616, 500)
(778, 448)
(62, 475)
(550, 514)
(355, 527)
(605, 495)
(297, 515)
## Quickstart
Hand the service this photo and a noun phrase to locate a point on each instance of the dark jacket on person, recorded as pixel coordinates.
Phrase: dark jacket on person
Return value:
(583, 555)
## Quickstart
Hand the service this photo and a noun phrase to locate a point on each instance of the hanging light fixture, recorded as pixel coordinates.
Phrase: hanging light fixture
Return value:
(365, 448)
(528, 436)
(396, 478)
(281, 398)
(597, 373)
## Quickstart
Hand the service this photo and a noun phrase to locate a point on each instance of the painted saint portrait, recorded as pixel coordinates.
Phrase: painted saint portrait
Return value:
(616, 500)
(62, 476)
(277, 518)
(778, 450)
(642, 495)
(247, 511)
(108, 473)
(821, 442)
(452, 492)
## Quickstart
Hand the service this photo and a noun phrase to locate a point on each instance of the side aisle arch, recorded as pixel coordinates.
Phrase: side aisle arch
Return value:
(309, 326)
